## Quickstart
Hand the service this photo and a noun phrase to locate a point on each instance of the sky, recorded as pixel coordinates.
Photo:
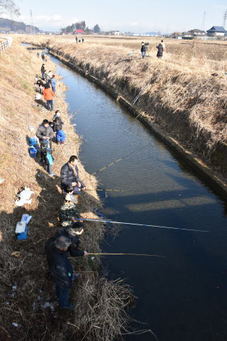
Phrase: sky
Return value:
(125, 15)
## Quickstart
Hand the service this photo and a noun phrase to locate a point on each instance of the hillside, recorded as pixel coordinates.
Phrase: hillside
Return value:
(8, 26)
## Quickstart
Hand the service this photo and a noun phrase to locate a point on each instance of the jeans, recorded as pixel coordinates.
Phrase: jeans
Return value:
(143, 54)
(63, 294)
(50, 105)
(49, 169)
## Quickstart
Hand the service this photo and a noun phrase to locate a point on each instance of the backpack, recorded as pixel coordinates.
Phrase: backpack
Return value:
(60, 136)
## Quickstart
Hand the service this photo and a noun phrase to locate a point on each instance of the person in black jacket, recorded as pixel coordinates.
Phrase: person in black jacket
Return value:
(43, 71)
(160, 48)
(143, 50)
(70, 176)
(58, 248)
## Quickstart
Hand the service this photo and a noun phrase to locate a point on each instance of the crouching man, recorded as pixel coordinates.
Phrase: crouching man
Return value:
(70, 176)
(65, 243)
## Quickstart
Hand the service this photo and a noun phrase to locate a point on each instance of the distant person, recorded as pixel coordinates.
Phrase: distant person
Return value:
(143, 50)
(82, 40)
(49, 97)
(163, 45)
(76, 39)
(38, 54)
(53, 83)
(70, 176)
(43, 71)
(43, 56)
(160, 50)
(65, 243)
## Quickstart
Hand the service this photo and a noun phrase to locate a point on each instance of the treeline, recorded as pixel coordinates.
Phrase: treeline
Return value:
(81, 26)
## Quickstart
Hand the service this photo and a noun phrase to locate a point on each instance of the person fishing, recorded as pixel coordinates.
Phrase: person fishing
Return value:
(65, 243)
(70, 176)
(57, 121)
(44, 131)
(49, 97)
(45, 135)
(143, 50)
(57, 128)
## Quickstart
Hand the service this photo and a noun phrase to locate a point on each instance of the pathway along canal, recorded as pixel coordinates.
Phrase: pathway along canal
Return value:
(184, 296)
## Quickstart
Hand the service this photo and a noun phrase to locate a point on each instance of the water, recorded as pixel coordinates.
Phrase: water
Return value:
(181, 297)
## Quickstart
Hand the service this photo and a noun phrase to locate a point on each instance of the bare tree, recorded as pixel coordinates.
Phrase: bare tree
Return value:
(9, 6)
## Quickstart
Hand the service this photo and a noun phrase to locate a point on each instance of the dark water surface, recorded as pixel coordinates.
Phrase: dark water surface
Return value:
(184, 296)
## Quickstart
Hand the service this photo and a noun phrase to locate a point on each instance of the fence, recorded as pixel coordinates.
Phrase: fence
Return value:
(5, 43)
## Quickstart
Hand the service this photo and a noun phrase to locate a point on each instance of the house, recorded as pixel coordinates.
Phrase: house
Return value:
(197, 33)
(216, 31)
(187, 36)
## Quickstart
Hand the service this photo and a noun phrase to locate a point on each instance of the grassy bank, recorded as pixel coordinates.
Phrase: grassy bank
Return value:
(185, 93)
(25, 292)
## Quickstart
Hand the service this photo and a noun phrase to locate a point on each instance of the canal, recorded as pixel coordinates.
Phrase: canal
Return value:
(182, 297)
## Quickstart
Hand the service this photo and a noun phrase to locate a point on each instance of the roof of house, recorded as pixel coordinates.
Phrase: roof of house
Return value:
(217, 29)
(196, 30)
(79, 31)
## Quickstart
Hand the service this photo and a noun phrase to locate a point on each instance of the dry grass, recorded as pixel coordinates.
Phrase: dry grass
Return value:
(185, 92)
(24, 289)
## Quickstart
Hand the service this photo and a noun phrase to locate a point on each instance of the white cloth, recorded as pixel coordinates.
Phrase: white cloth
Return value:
(24, 197)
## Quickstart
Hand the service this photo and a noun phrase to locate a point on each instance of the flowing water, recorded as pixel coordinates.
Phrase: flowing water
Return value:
(182, 297)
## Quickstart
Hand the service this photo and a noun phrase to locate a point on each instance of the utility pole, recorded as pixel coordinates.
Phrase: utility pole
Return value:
(225, 18)
(32, 23)
(204, 20)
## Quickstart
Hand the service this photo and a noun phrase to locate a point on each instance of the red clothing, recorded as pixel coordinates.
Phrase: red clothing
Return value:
(48, 94)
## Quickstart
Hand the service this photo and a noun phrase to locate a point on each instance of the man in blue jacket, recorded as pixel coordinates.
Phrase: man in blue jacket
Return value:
(58, 248)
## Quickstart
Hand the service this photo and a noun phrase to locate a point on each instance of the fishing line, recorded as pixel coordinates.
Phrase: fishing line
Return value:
(124, 254)
(142, 225)
(114, 162)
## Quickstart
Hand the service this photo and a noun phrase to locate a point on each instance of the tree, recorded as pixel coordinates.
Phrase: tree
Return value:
(97, 29)
(81, 25)
(9, 6)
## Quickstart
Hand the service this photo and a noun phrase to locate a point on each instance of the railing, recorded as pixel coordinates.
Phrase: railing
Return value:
(5, 43)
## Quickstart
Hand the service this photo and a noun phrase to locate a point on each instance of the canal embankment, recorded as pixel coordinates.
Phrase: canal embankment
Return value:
(26, 292)
(185, 107)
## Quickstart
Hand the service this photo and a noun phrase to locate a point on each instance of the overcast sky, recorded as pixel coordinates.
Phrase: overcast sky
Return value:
(125, 15)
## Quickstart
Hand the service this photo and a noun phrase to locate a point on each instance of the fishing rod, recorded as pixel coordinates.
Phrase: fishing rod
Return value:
(106, 190)
(137, 224)
(124, 254)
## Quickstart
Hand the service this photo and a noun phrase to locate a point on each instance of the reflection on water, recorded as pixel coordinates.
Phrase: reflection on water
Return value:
(183, 297)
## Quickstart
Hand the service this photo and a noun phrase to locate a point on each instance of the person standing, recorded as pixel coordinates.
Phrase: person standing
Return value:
(45, 132)
(48, 94)
(143, 50)
(160, 47)
(43, 71)
(45, 135)
(70, 176)
(57, 249)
